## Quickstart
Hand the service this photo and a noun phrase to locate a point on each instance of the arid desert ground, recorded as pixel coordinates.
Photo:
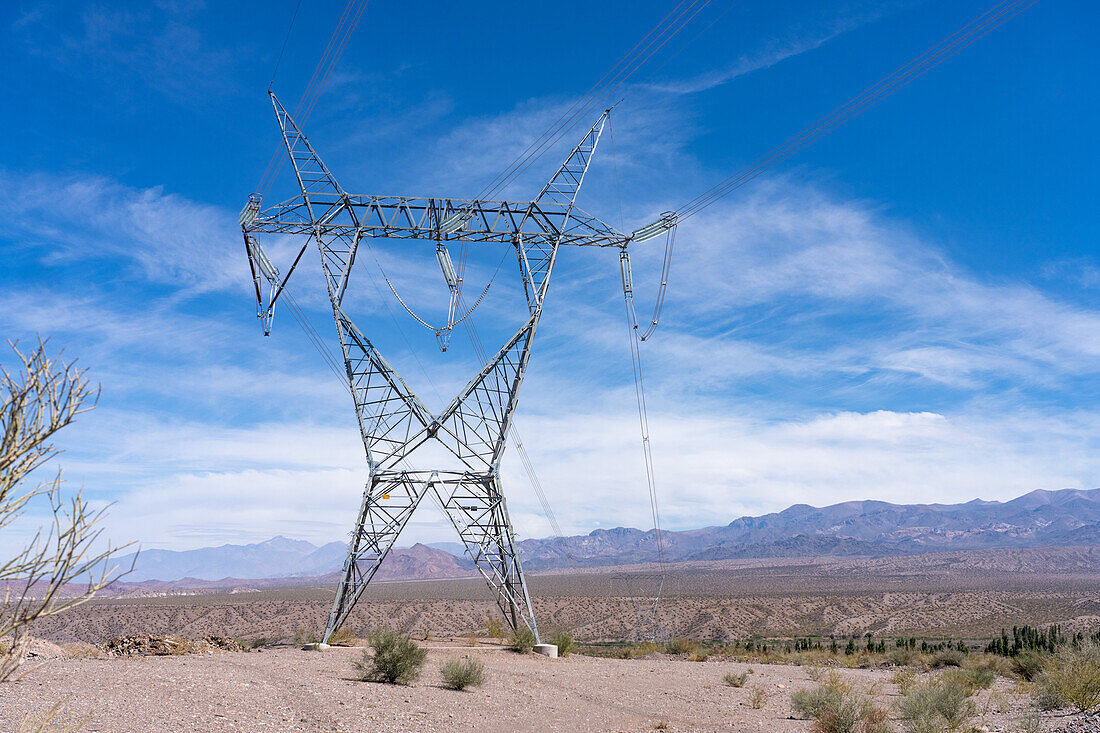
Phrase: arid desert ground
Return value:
(964, 595)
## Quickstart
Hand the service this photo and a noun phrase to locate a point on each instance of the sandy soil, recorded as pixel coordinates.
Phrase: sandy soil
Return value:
(290, 690)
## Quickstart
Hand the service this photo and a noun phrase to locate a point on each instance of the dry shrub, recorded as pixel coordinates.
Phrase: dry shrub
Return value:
(305, 636)
(905, 680)
(995, 663)
(947, 658)
(936, 707)
(341, 637)
(970, 680)
(735, 680)
(1072, 677)
(836, 708)
(876, 719)
(48, 722)
(758, 695)
(458, 674)
(494, 627)
(698, 656)
(639, 650)
(522, 641)
(680, 646)
(82, 650)
(563, 640)
(1030, 722)
(904, 657)
(397, 659)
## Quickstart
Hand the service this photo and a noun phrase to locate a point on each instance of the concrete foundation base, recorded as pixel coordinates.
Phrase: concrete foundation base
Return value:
(318, 647)
(547, 650)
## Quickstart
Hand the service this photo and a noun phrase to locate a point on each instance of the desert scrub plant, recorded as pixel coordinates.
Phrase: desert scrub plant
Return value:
(904, 657)
(563, 640)
(1030, 722)
(494, 627)
(522, 641)
(970, 680)
(397, 659)
(995, 663)
(680, 646)
(49, 721)
(639, 650)
(1072, 676)
(735, 680)
(341, 637)
(836, 708)
(947, 658)
(305, 636)
(82, 650)
(458, 674)
(1028, 664)
(935, 707)
(905, 680)
(758, 695)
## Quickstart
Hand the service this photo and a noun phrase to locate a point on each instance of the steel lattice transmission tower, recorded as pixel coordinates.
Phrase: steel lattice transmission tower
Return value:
(393, 422)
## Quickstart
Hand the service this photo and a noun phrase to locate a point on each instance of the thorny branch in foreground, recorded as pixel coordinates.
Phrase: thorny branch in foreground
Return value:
(60, 567)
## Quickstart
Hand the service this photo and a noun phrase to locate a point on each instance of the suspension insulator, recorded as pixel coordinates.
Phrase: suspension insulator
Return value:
(446, 266)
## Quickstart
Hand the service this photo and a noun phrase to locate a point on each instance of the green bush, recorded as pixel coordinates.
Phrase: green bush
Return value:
(563, 640)
(735, 680)
(1028, 664)
(458, 674)
(522, 641)
(397, 659)
(1072, 676)
(935, 707)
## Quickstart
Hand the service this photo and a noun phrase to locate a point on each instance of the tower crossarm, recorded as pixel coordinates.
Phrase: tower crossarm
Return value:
(539, 223)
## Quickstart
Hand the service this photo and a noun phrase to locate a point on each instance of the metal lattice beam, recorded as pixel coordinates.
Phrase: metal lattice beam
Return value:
(393, 422)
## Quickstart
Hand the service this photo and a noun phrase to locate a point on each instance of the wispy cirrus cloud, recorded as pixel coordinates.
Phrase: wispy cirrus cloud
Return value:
(779, 47)
(149, 41)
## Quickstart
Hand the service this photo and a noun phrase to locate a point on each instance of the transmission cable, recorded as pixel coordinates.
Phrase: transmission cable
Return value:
(643, 413)
(934, 56)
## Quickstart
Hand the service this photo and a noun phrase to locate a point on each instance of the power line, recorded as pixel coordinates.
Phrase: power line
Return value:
(934, 56)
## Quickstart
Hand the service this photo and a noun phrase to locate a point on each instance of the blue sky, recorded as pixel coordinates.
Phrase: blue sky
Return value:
(906, 310)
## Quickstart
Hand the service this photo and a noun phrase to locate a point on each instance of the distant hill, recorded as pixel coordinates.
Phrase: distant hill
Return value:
(281, 557)
(1063, 518)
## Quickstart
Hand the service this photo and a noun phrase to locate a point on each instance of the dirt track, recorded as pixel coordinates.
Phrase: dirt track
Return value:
(291, 690)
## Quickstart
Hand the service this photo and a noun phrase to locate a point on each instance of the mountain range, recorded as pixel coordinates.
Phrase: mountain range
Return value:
(1068, 517)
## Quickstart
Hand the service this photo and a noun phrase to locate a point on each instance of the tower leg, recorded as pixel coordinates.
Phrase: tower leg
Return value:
(476, 506)
(388, 501)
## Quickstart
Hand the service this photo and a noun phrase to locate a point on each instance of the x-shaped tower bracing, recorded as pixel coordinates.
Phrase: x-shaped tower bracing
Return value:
(393, 421)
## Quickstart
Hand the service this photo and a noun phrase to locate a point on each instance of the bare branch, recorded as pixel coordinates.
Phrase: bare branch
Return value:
(60, 568)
